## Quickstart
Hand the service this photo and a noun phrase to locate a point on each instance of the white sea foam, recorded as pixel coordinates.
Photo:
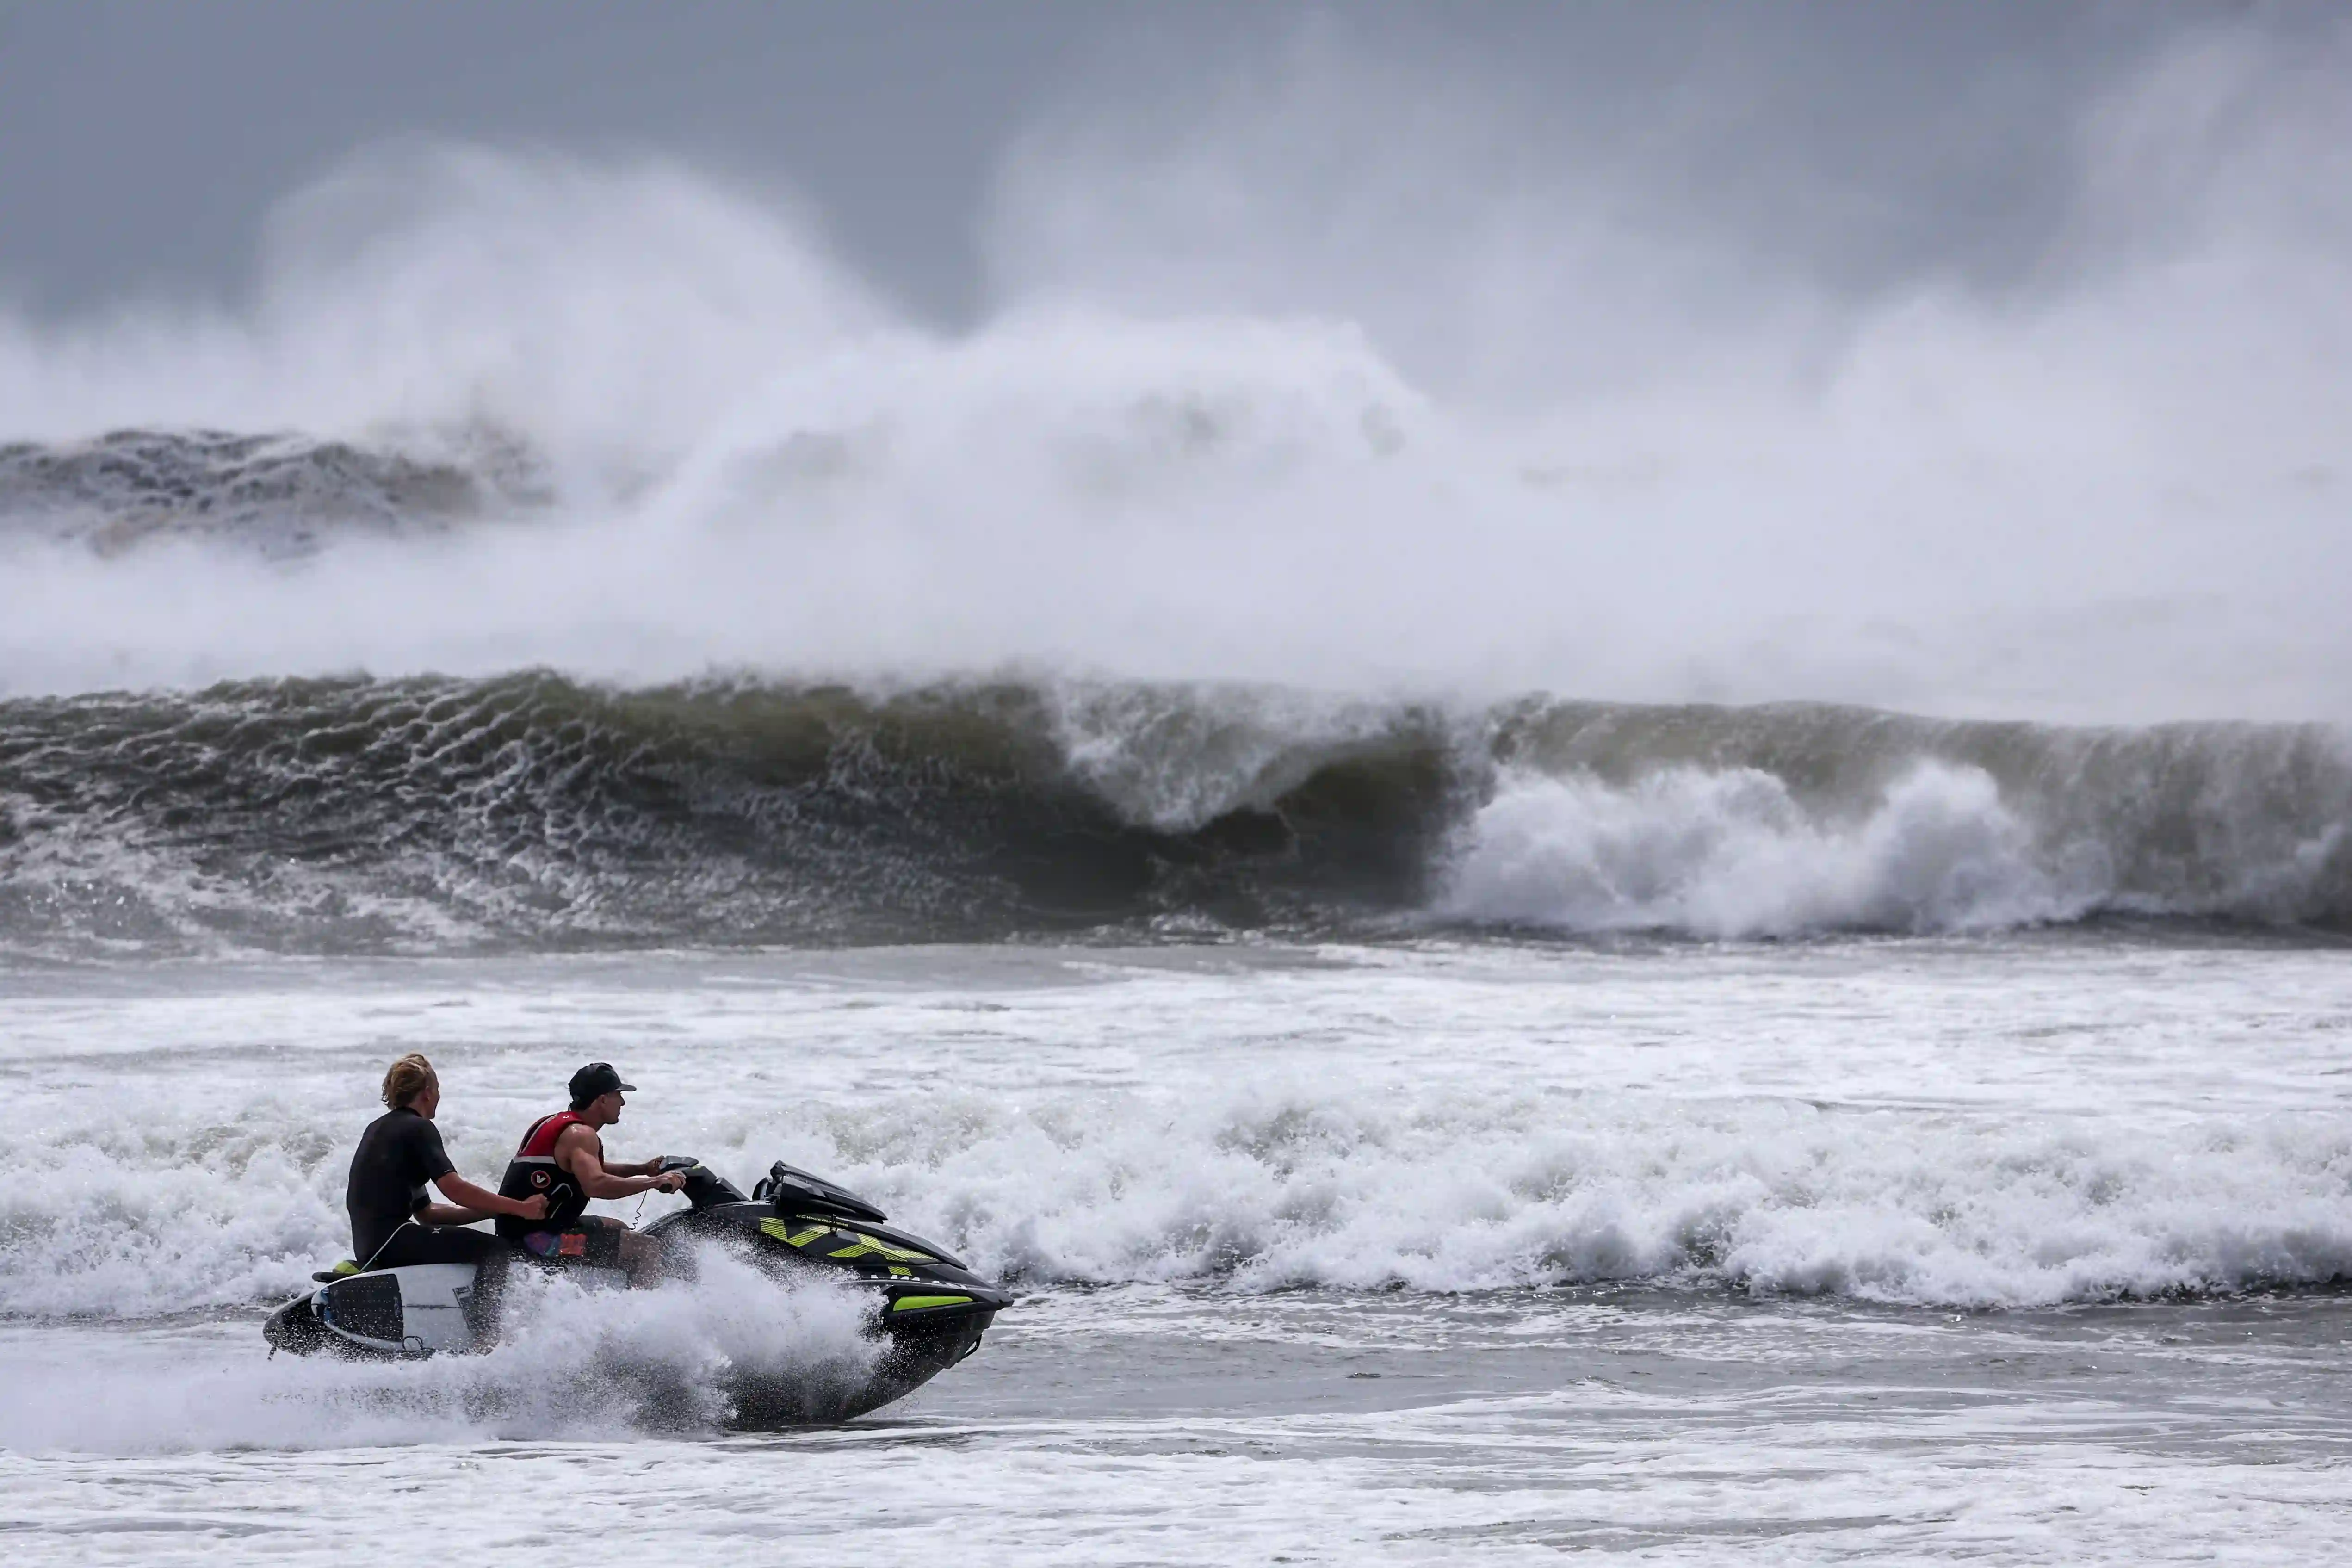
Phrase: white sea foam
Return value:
(1882, 1128)
(1731, 854)
(675, 1355)
(1478, 453)
(1280, 1181)
(570, 1363)
(1268, 1191)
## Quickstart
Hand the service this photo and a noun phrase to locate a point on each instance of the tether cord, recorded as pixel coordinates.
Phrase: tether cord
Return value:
(403, 1225)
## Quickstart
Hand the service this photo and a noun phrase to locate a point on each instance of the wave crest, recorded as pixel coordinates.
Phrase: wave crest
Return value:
(1269, 1189)
(1274, 1183)
(531, 811)
(1732, 854)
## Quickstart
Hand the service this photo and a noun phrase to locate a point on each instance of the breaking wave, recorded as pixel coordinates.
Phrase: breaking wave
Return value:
(534, 812)
(1273, 1185)
(379, 610)
(478, 412)
(1273, 1190)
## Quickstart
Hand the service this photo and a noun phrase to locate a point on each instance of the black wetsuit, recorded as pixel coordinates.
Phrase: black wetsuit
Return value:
(398, 1154)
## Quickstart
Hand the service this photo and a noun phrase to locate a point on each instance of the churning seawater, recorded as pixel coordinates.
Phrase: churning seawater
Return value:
(2025, 1248)
(1742, 957)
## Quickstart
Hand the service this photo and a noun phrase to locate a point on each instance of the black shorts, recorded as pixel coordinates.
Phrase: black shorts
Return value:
(414, 1244)
(592, 1241)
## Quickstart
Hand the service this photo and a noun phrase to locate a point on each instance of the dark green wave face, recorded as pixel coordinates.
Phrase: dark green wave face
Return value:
(529, 811)
(532, 812)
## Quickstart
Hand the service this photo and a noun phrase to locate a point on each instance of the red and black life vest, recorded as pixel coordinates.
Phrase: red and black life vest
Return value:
(533, 1173)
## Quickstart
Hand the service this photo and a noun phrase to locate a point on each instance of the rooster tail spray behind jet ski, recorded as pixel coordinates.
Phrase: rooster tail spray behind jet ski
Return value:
(929, 1308)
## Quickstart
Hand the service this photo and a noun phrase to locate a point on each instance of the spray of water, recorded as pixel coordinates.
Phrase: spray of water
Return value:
(1355, 378)
(733, 1346)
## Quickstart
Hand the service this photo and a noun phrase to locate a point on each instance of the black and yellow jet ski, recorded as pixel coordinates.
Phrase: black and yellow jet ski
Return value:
(929, 1308)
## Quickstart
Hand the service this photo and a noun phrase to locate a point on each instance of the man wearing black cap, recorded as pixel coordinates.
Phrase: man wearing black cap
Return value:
(562, 1159)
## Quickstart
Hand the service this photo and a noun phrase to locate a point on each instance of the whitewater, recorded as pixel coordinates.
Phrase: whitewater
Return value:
(1867, 1246)
(1544, 887)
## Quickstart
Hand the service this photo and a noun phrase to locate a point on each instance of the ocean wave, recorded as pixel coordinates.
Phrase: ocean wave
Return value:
(1272, 1185)
(620, 419)
(1732, 854)
(283, 494)
(449, 815)
(1274, 1190)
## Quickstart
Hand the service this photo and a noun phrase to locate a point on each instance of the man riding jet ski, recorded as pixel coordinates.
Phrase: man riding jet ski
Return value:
(562, 1161)
(926, 1309)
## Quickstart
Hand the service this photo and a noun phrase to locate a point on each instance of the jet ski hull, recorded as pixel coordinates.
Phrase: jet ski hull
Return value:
(930, 1310)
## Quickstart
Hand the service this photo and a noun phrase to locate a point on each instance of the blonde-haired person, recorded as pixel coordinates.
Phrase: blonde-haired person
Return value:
(399, 1154)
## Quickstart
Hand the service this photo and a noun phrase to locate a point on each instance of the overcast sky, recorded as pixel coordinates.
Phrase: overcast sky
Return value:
(140, 144)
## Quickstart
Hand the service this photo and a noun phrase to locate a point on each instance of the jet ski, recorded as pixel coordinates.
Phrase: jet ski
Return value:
(926, 1306)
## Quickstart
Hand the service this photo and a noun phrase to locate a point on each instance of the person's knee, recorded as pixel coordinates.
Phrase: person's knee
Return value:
(641, 1257)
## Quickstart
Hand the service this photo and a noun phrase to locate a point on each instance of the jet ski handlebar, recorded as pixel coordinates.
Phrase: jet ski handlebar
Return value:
(704, 1186)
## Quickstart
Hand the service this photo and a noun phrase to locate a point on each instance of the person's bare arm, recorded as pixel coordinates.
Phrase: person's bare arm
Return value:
(576, 1150)
(468, 1203)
